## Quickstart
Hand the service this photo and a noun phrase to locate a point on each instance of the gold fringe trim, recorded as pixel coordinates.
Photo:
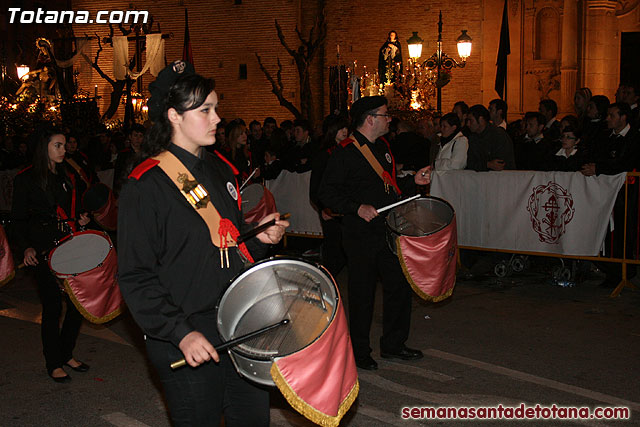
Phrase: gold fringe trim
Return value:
(8, 278)
(90, 317)
(307, 410)
(415, 287)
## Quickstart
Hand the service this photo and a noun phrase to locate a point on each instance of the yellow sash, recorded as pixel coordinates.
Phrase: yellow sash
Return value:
(198, 198)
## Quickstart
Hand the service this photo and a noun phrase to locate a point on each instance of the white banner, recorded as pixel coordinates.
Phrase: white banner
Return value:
(291, 191)
(557, 212)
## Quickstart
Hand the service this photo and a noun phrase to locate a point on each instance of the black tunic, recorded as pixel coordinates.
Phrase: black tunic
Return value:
(169, 271)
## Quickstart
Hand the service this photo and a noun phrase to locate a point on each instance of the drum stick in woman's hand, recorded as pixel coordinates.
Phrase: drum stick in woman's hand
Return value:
(247, 180)
(231, 343)
(259, 229)
(401, 202)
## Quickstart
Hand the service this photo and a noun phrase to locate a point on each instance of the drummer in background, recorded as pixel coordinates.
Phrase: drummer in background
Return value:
(43, 194)
(350, 186)
(170, 272)
(128, 157)
(335, 130)
(78, 161)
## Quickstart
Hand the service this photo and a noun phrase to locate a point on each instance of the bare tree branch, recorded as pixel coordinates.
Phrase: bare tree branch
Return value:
(277, 87)
(282, 41)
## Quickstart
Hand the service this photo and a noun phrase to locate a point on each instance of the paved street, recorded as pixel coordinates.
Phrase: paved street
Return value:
(496, 341)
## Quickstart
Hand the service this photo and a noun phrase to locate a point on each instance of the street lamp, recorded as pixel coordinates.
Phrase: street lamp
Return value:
(415, 50)
(441, 61)
(415, 46)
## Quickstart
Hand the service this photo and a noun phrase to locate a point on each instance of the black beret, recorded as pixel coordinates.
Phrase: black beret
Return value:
(365, 104)
(159, 88)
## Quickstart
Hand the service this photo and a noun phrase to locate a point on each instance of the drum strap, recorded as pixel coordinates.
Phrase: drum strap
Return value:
(78, 169)
(223, 232)
(388, 180)
(60, 211)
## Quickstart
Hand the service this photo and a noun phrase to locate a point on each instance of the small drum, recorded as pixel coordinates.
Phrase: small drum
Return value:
(99, 200)
(421, 217)
(257, 202)
(88, 264)
(267, 293)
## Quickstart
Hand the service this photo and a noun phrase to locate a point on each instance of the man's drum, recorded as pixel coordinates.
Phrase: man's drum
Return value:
(422, 233)
(257, 202)
(421, 217)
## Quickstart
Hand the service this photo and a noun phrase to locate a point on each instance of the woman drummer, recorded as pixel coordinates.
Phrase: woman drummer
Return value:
(170, 273)
(45, 206)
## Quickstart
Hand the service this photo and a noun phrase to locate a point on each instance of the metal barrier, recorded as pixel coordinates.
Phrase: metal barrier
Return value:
(625, 254)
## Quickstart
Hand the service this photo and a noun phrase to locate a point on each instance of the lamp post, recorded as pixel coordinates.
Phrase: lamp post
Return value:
(441, 61)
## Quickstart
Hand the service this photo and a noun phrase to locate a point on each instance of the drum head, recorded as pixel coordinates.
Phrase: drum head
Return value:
(420, 217)
(269, 292)
(251, 196)
(83, 252)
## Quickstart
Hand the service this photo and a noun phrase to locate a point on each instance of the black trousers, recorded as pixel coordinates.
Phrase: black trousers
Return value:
(367, 261)
(57, 343)
(200, 396)
(333, 256)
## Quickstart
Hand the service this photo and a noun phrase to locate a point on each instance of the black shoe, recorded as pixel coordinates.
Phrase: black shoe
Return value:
(367, 363)
(405, 353)
(82, 367)
(64, 379)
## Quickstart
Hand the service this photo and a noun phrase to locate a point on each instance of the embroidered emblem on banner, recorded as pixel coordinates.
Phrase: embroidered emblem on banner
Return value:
(388, 157)
(550, 209)
(232, 190)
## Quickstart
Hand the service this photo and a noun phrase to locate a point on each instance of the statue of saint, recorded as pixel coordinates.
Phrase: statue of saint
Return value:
(390, 55)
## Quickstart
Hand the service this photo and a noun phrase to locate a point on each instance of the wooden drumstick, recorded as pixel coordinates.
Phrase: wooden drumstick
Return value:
(232, 343)
(259, 229)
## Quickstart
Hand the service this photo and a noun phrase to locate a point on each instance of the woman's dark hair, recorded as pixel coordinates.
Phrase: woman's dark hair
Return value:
(452, 119)
(574, 130)
(39, 142)
(187, 93)
(572, 121)
(602, 105)
(232, 133)
(330, 127)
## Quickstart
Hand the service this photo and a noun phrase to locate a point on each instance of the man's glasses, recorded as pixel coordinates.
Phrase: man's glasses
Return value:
(380, 115)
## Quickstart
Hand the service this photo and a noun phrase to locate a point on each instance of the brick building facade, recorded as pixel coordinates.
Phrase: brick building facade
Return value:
(556, 46)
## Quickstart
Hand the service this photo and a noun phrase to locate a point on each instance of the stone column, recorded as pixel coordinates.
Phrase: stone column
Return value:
(602, 48)
(569, 65)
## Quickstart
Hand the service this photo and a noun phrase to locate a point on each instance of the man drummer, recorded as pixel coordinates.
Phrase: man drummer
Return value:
(359, 179)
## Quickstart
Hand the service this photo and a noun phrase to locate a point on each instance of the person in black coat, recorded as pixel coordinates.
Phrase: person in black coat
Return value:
(618, 152)
(167, 261)
(351, 187)
(335, 129)
(45, 208)
(571, 156)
